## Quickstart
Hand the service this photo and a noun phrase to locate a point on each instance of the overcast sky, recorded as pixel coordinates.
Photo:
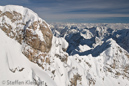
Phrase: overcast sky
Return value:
(78, 11)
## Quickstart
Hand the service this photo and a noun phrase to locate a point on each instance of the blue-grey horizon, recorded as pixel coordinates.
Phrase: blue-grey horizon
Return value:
(77, 11)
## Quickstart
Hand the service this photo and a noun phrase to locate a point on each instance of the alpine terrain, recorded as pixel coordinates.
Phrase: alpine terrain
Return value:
(34, 53)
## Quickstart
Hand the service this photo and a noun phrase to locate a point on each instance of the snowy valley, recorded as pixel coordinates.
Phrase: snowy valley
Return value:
(35, 53)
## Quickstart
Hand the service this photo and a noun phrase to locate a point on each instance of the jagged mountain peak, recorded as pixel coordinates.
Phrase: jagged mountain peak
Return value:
(104, 49)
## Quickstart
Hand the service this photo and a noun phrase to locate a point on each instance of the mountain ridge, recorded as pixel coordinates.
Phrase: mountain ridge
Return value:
(73, 55)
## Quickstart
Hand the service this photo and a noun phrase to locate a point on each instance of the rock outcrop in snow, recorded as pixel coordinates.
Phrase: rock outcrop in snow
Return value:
(28, 29)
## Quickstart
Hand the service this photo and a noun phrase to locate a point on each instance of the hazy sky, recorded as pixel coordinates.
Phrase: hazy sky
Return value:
(78, 11)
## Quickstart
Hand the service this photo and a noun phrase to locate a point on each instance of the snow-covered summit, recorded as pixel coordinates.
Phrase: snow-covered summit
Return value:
(22, 10)
(25, 26)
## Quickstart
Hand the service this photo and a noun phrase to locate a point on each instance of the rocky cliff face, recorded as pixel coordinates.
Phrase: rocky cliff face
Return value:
(28, 29)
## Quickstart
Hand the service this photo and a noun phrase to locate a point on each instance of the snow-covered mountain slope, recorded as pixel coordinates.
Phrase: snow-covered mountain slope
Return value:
(16, 69)
(23, 25)
(101, 50)
(78, 54)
